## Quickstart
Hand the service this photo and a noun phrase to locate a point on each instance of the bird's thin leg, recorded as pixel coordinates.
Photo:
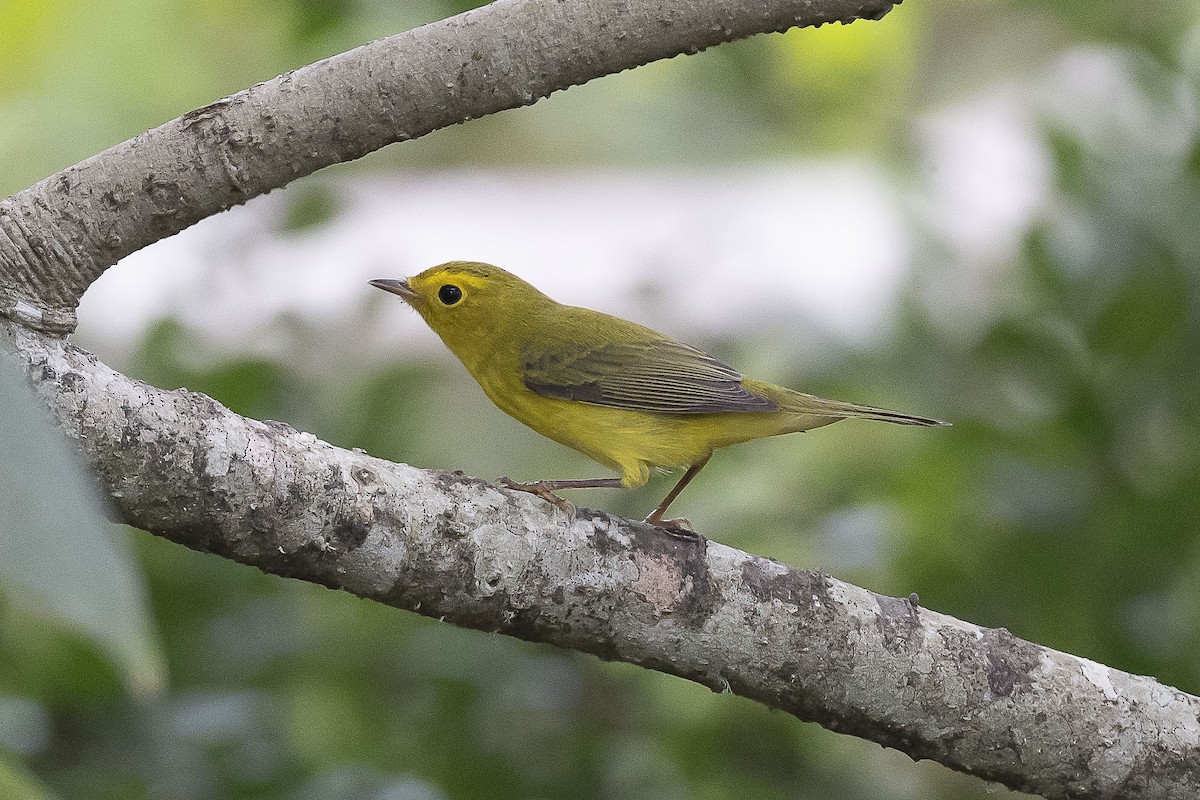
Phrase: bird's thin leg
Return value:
(681, 526)
(546, 489)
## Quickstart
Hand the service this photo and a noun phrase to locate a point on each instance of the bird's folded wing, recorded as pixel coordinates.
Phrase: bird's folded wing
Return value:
(658, 375)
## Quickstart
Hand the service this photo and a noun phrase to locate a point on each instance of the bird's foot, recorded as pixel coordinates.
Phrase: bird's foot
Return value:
(541, 489)
(680, 528)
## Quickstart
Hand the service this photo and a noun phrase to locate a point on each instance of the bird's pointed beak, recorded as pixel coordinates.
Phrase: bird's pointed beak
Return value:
(399, 287)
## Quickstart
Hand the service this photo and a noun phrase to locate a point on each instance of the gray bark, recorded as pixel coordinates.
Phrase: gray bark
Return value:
(447, 545)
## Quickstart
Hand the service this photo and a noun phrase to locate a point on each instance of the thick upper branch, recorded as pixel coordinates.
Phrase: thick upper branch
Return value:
(979, 700)
(59, 235)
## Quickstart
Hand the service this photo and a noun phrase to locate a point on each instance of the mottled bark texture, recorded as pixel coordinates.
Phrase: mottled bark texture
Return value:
(59, 235)
(181, 465)
(446, 545)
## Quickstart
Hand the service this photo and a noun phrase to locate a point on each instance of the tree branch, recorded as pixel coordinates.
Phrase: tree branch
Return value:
(445, 545)
(59, 235)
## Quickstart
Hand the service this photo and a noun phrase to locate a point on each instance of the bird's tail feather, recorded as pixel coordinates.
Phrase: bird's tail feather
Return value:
(818, 406)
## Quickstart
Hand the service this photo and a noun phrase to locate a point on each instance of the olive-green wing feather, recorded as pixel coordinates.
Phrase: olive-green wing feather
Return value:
(659, 375)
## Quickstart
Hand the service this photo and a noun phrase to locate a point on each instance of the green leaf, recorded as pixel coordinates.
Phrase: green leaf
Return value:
(309, 206)
(17, 784)
(58, 556)
(1151, 307)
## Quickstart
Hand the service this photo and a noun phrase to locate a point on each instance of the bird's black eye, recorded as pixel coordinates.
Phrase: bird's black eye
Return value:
(449, 294)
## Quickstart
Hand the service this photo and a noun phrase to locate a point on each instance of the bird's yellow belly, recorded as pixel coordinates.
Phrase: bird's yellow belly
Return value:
(633, 442)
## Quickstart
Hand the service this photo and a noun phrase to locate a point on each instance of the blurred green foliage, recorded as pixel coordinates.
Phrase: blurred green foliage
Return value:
(1064, 504)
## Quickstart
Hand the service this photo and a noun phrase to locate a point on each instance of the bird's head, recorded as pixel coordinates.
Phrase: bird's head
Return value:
(465, 301)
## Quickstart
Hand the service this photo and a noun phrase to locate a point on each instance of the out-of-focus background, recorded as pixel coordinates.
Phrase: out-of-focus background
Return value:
(979, 210)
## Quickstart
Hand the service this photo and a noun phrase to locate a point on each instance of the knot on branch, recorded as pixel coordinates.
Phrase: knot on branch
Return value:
(56, 321)
(40, 282)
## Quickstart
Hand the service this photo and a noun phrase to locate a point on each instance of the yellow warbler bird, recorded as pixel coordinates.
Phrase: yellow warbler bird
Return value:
(620, 393)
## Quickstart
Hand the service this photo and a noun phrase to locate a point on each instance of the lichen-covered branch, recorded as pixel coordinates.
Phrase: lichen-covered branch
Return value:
(59, 235)
(446, 545)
